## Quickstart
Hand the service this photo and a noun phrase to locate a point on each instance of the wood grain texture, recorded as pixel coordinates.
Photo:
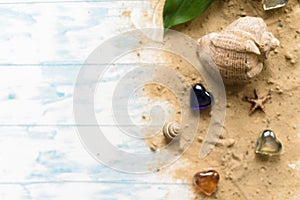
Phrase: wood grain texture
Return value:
(57, 33)
(43, 46)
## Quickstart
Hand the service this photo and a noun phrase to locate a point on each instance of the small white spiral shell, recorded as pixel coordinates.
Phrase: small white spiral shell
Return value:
(171, 130)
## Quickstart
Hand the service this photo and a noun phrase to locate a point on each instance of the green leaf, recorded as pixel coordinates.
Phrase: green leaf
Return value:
(181, 11)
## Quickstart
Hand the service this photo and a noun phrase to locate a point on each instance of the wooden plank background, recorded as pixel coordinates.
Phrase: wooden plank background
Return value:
(43, 44)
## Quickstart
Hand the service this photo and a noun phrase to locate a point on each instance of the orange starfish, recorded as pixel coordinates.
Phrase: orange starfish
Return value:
(257, 101)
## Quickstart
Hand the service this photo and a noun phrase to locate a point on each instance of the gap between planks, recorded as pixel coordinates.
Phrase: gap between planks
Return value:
(59, 2)
(82, 181)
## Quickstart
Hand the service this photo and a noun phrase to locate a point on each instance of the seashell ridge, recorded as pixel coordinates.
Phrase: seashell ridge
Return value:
(171, 130)
(238, 52)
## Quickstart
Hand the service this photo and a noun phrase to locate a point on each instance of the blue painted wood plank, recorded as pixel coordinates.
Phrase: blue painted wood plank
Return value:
(43, 45)
(62, 32)
(60, 1)
(54, 154)
(94, 190)
(43, 95)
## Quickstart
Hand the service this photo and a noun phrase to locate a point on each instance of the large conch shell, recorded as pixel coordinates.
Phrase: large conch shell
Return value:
(238, 52)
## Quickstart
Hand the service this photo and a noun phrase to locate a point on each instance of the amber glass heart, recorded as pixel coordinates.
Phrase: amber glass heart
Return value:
(207, 181)
(268, 144)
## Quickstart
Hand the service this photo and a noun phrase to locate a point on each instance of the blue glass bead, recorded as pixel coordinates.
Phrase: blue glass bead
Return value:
(200, 98)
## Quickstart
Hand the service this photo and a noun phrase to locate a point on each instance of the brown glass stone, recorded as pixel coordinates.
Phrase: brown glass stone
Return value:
(207, 181)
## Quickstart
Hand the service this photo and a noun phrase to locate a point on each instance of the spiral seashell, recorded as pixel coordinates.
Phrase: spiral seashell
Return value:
(171, 130)
(238, 52)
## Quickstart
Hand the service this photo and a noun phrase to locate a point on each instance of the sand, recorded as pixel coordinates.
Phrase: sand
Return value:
(243, 174)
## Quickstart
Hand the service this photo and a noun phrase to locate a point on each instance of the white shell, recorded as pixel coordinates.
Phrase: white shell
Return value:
(171, 130)
(238, 52)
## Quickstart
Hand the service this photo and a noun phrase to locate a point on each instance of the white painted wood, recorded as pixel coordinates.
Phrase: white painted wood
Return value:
(60, 1)
(61, 32)
(43, 95)
(43, 46)
(93, 190)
